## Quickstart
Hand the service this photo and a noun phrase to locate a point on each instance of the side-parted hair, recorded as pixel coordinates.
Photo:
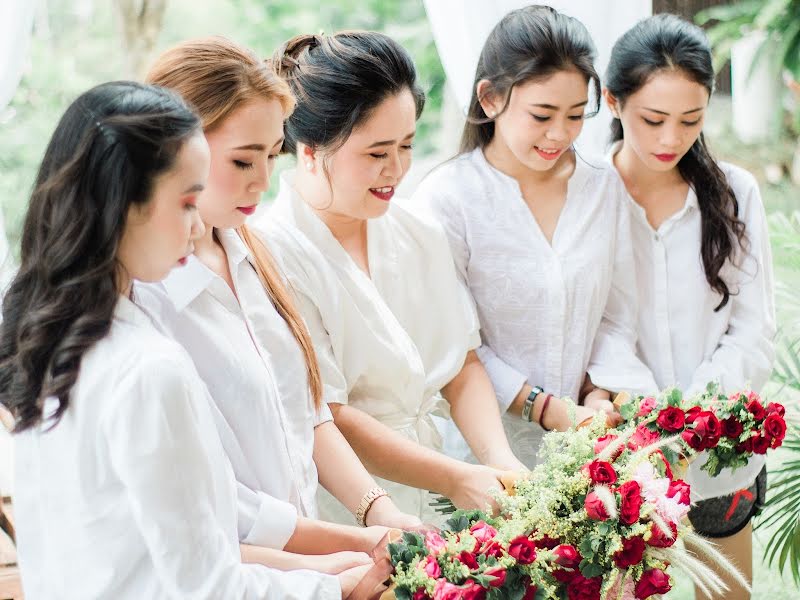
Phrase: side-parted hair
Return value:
(664, 43)
(103, 158)
(338, 80)
(528, 44)
(217, 77)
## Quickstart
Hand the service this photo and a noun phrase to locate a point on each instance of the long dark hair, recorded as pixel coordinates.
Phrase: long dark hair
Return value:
(103, 158)
(528, 44)
(338, 80)
(667, 42)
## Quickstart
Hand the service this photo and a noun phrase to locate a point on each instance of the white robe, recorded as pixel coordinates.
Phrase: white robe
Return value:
(386, 343)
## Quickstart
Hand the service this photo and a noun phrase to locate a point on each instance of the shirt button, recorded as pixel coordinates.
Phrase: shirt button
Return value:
(656, 237)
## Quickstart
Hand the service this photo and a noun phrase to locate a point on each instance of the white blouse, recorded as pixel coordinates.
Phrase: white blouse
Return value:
(386, 343)
(130, 496)
(256, 373)
(542, 306)
(681, 338)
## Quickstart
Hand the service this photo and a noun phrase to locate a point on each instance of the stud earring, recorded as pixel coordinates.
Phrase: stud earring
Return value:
(309, 165)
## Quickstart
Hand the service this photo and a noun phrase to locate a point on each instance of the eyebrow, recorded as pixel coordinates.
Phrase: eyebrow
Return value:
(197, 187)
(388, 142)
(661, 112)
(551, 107)
(258, 147)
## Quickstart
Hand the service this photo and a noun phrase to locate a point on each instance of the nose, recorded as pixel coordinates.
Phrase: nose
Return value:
(260, 181)
(393, 167)
(198, 229)
(670, 136)
(557, 132)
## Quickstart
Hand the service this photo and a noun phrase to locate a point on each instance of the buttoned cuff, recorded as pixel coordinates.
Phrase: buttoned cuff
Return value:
(273, 521)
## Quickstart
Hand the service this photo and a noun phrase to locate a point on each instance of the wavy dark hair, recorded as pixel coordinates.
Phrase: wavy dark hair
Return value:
(338, 80)
(666, 43)
(104, 156)
(528, 44)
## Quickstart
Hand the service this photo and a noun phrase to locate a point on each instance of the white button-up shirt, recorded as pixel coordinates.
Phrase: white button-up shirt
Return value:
(541, 306)
(681, 338)
(130, 496)
(386, 343)
(256, 373)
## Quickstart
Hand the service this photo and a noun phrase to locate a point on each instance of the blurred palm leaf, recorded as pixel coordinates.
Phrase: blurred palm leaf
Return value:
(781, 514)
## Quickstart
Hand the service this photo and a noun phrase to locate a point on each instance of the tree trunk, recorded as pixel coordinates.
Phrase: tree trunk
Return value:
(140, 23)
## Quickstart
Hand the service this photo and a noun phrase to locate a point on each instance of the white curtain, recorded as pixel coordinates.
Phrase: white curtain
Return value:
(16, 21)
(461, 26)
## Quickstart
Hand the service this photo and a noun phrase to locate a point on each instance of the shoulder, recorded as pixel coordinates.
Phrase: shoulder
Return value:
(742, 182)
(454, 181)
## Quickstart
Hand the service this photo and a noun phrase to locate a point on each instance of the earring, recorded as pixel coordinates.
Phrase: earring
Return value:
(309, 165)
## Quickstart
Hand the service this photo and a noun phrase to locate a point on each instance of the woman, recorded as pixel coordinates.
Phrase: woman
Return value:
(391, 324)
(539, 234)
(231, 310)
(123, 489)
(702, 252)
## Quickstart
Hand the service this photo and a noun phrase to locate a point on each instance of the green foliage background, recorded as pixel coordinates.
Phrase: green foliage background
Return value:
(75, 48)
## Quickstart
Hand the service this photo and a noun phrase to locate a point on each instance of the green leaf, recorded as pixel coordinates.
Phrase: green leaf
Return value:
(590, 570)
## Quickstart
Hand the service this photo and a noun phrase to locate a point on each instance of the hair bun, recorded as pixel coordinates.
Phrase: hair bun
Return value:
(287, 57)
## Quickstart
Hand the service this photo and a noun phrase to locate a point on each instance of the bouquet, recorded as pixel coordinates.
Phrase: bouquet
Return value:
(601, 516)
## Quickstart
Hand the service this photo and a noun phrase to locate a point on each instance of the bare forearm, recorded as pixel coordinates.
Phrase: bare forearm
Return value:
(388, 454)
(340, 471)
(269, 557)
(473, 407)
(312, 536)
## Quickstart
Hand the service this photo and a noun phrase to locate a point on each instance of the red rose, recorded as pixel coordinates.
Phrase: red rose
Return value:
(659, 538)
(530, 590)
(468, 559)
(431, 567)
(631, 502)
(652, 582)
(522, 549)
(692, 413)
(671, 419)
(755, 408)
(646, 406)
(705, 432)
(581, 588)
(601, 443)
(567, 556)
(746, 447)
(760, 444)
(601, 472)
(774, 429)
(472, 591)
(631, 552)
(483, 532)
(420, 594)
(642, 437)
(681, 489)
(493, 548)
(499, 574)
(732, 428)
(595, 507)
(774, 407)
(546, 542)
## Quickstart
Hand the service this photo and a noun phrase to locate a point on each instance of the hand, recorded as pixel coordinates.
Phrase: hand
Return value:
(337, 562)
(371, 537)
(384, 512)
(470, 486)
(558, 415)
(350, 578)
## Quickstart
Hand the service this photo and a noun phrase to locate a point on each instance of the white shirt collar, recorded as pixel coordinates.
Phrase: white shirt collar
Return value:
(128, 311)
(186, 283)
